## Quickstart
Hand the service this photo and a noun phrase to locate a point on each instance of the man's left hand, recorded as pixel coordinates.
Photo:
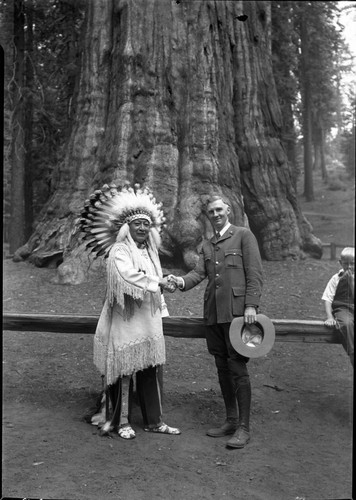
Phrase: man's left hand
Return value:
(250, 315)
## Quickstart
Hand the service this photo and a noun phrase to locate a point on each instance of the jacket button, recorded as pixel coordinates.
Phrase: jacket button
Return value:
(217, 274)
(217, 262)
(217, 248)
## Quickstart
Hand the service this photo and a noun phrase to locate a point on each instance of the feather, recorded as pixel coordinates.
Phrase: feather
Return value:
(106, 241)
(91, 243)
(108, 210)
(99, 230)
(102, 252)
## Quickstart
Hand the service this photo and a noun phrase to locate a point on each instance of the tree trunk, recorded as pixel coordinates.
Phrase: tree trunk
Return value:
(324, 173)
(17, 226)
(307, 110)
(7, 44)
(319, 154)
(319, 147)
(70, 57)
(284, 65)
(28, 118)
(288, 138)
(179, 96)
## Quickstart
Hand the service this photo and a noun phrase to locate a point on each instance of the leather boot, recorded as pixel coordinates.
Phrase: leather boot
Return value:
(224, 430)
(228, 393)
(242, 434)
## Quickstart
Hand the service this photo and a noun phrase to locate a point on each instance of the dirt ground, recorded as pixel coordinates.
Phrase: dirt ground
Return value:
(302, 411)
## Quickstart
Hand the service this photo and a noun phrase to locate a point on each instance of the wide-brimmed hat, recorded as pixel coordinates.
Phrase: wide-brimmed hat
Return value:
(252, 340)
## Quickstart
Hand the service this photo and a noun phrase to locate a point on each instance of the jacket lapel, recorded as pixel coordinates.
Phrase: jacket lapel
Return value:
(227, 234)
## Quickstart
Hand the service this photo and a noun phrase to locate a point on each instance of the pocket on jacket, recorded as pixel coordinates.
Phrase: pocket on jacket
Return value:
(238, 301)
(233, 258)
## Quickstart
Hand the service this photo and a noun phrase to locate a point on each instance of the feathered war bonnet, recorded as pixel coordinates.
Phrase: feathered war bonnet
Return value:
(108, 212)
(105, 223)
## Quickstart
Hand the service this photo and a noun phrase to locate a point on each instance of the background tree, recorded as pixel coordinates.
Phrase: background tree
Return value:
(325, 73)
(6, 41)
(28, 122)
(17, 124)
(347, 140)
(306, 96)
(320, 45)
(285, 63)
(180, 96)
(48, 89)
(308, 61)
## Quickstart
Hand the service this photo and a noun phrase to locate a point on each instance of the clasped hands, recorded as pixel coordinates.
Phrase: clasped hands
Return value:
(169, 283)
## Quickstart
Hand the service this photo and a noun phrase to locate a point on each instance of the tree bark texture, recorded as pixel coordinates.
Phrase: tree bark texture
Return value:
(18, 153)
(307, 110)
(7, 44)
(28, 119)
(178, 96)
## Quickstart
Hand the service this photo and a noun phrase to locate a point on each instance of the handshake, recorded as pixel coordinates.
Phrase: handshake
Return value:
(170, 283)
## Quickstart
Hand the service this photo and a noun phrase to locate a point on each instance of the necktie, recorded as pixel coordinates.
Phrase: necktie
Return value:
(218, 235)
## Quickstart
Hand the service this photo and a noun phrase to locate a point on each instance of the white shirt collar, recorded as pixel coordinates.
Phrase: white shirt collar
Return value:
(225, 228)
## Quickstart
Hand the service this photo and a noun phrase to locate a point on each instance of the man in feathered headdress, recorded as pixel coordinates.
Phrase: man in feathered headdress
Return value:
(124, 225)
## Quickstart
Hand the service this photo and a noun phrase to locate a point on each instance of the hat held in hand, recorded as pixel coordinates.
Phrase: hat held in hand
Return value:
(252, 340)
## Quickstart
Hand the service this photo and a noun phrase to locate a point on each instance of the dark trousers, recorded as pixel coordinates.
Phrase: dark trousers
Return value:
(232, 371)
(149, 396)
(345, 324)
(148, 393)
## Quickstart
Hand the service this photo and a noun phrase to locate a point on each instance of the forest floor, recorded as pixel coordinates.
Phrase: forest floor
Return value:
(302, 408)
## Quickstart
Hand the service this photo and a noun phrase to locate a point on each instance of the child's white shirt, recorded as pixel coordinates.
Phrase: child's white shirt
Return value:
(329, 292)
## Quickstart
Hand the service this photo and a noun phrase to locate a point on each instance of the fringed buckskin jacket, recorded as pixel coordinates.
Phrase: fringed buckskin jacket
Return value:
(129, 334)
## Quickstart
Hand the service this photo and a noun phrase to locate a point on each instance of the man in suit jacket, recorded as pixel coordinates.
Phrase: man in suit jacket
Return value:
(231, 261)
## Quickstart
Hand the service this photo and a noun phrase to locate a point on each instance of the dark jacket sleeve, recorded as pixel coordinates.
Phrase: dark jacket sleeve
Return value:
(198, 274)
(253, 268)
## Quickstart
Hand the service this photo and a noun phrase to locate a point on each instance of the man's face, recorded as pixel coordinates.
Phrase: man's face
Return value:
(218, 213)
(139, 230)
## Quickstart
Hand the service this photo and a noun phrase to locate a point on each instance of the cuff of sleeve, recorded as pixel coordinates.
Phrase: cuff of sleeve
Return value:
(252, 301)
(152, 284)
(181, 283)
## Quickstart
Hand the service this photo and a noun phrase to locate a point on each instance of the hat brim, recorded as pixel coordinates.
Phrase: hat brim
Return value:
(249, 349)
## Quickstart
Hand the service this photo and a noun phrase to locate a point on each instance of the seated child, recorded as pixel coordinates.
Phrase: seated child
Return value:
(339, 300)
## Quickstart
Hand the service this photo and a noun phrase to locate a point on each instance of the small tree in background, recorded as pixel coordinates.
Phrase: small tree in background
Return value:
(17, 233)
(41, 82)
(285, 61)
(309, 59)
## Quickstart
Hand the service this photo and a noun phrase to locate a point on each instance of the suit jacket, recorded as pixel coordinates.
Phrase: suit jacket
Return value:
(233, 267)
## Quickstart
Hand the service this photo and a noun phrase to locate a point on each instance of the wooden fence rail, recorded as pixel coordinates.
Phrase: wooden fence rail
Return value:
(333, 247)
(287, 330)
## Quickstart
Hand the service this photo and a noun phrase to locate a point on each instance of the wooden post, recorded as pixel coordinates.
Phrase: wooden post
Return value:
(332, 251)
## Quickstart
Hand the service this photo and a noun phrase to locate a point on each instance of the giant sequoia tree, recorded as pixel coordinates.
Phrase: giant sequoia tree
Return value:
(180, 96)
